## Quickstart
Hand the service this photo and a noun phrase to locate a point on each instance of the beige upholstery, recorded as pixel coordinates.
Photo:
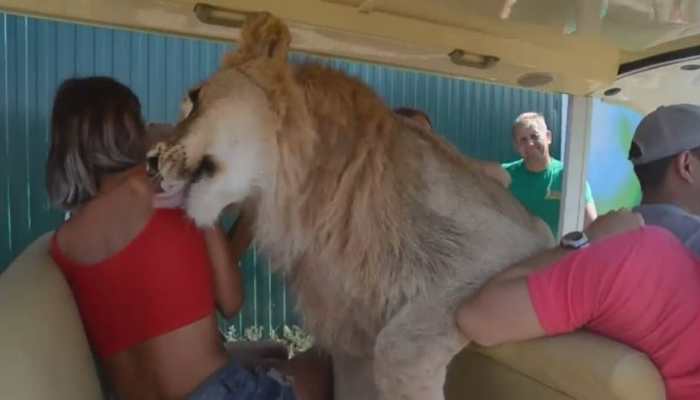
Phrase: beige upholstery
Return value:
(580, 366)
(44, 353)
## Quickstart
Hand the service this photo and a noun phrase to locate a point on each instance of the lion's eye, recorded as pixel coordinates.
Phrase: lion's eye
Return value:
(194, 95)
(206, 169)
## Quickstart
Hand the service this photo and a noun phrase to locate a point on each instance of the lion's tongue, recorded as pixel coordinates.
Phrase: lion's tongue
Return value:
(172, 196)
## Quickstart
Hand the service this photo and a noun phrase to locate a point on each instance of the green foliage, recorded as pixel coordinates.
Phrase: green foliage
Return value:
(293, 337)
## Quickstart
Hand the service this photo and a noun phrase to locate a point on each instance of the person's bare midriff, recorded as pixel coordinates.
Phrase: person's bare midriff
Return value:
(168, 366)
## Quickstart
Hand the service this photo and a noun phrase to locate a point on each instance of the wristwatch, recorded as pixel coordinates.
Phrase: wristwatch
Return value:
(574, 240)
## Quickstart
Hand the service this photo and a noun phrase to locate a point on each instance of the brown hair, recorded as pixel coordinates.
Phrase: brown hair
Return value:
(96, 130)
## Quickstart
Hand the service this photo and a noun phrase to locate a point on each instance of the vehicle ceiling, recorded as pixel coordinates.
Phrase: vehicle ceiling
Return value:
(573, 46)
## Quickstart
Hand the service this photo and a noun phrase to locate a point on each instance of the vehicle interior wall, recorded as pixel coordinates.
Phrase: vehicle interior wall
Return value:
(37, 54)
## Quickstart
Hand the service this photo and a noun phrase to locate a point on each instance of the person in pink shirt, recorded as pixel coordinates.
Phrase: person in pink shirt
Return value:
(635, 284)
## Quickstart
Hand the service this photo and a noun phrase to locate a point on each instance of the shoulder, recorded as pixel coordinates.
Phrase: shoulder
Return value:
(513, 166)
(671, 217)
(139, 186)
(648, 245)
(133, 197)
(556, 166)
(656, 235)
(653, 213)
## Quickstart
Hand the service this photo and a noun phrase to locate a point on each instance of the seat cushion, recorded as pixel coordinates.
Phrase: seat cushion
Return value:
(473, 375)
(44, 353)
(582, 366)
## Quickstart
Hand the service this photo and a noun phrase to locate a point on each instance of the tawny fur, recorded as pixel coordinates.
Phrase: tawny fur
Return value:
(381, 227)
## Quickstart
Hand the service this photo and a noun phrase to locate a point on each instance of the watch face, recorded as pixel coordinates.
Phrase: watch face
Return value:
(574, 236)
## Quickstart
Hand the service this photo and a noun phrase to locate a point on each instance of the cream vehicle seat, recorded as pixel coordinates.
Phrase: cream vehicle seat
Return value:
(44, 353)
(577, 366)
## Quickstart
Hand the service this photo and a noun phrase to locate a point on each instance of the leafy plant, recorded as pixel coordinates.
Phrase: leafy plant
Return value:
(293, 337)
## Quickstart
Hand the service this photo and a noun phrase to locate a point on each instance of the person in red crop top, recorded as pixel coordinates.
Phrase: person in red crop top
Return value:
(637, 284)
(146, 280)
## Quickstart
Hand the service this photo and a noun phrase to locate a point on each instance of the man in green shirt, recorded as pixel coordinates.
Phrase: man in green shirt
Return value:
(537, 177)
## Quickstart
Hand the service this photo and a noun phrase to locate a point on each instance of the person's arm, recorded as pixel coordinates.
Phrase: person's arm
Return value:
(589, 213)
(612, 223)
(225, 256)
(502, 311)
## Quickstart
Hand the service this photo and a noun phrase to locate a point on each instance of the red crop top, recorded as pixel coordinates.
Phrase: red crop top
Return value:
(159, 282)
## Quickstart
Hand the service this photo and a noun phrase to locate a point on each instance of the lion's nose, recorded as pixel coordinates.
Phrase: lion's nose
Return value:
(152, 165)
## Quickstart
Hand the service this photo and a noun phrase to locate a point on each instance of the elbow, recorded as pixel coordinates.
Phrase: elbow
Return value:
(229, 311)
(230, 307)
(474, 325)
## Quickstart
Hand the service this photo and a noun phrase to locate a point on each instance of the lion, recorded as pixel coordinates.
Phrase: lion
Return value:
(381, 227)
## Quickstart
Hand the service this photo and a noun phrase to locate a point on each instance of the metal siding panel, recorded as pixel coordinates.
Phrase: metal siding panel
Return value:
(34, 155)
(250, 306)
(19, 217)
(37, 55)
(156, 71)
(17, 113)
(5, 211)
(121, 56)
(277, 299)
(265, 297)
(10, 116)
(174, 77)
(65, 43)
(85, 54)
(188, 65)
(103, 52)
(138, 68)
(45, 217)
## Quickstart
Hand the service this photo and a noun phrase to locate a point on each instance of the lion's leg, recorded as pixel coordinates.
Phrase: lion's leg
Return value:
(412, 352)
(353, 378)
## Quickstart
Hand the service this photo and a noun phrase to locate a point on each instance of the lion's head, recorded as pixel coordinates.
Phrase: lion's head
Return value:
(241, 108)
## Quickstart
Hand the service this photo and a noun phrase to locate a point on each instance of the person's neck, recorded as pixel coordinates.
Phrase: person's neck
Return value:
(677, 199)
(538, 165)
(111, 181)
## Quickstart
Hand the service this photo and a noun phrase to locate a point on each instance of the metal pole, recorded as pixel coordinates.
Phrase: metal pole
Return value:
(578, 142)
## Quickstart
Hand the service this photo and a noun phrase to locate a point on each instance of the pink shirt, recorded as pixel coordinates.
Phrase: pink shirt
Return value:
(641, 288)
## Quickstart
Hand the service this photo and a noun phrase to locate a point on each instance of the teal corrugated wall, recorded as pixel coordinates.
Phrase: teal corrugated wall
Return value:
(36, 55)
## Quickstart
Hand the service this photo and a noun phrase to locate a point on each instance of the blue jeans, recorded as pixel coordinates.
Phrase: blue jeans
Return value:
(233, 382)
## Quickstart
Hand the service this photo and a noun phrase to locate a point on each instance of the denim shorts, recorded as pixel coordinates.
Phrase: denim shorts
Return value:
(233, 382)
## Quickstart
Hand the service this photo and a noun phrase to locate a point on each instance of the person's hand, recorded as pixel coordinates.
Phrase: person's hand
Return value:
(613, 223)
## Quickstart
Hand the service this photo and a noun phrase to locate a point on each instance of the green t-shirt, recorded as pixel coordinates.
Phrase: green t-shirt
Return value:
(540, 192)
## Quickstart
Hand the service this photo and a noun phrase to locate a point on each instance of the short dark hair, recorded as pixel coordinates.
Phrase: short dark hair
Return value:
(651, 175)
(412, 112)
(96, 129)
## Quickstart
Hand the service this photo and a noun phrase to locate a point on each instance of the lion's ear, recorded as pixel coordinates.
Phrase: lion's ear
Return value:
(263, 36)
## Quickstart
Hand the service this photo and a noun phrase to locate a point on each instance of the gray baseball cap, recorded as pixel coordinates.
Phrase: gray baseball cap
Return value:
(666, 131)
